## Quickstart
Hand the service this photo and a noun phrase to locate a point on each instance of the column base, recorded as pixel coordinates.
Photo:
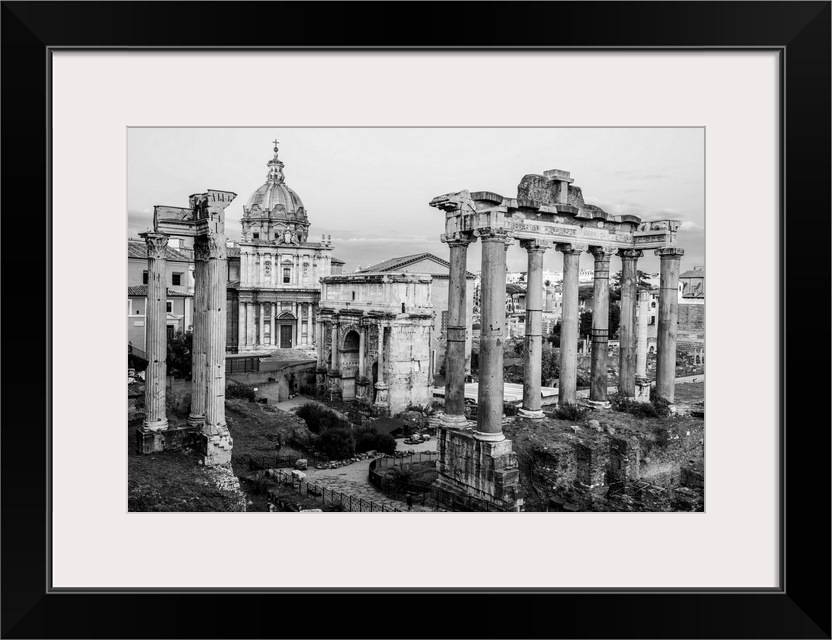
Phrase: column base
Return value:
(453, 421)
(171, 438)
(489, 437)
(598, 404)
(530, 414)
(158, 425)
(216, 448)
(196, 421)
(642, 390)
(381, 396)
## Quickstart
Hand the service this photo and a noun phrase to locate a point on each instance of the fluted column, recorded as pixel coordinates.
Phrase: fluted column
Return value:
(310, 340)
(643, 313)
(250, 331)
(198, 352)
(600, 327)
(381, 386)
(668, 318)
(534, 338)
(334, 354)
(272, 323)
(262, 316)
(243, 269)
(627, 326)
(155, 380)
(218, 449)
(492, 336)
(361, 349)
(241, 326)
(299, 323)
(567, 383)
(456, 331)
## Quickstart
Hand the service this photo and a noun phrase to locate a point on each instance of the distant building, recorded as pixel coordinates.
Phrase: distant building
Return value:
(439, 270)
(179, 279)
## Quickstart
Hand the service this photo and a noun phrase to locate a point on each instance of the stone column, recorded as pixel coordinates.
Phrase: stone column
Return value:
(600, 328)
(217, 439)
(643, 317)
(310, 325)
(627, 327)
(242, 320)
(567, 383)
(262, 315)
(456, 332)
(250, 332)
(198, 361)
(155, 381)
(243, 269)
(534, 338)
(298, 309)
(492, 336)
(272, 323)
(361, 349)
(668, 317)
(334, 355)
(381, 386)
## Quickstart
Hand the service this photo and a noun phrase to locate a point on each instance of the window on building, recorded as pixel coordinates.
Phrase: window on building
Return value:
(144, 277)
(256, 235)
(169, 306)
(287, 275)
(176, 280)
(444, 326)
(653, 320)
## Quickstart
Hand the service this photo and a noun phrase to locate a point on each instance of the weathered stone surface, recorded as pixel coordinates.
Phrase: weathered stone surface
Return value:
(300, 464)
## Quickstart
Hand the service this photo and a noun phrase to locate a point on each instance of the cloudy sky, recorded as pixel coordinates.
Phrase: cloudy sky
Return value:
(369, 188)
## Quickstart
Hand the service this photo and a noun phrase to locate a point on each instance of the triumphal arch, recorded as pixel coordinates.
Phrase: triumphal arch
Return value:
(549, 212)
(204, 221)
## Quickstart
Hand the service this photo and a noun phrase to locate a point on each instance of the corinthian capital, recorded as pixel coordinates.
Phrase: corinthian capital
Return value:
(535, 245)
(630, 254)
(216, 247)
(157, 244)
(602, 253)
(201, 248)
(494, 234)
(571, 248)
(458, 239)
(669, 253)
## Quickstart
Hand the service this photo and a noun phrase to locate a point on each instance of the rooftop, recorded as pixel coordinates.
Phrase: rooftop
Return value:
(138, 249)
(394, 264)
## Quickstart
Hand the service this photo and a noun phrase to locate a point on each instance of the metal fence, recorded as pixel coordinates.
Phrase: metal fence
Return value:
(264, 462)
(347, 501)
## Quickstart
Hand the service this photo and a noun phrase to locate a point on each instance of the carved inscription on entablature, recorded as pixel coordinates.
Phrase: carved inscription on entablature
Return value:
(654, 238)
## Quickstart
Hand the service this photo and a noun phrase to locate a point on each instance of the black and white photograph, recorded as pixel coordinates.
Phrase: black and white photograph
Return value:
(477, 319)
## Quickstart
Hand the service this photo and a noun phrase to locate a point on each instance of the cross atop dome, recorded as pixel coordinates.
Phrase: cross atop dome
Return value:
(275, 166)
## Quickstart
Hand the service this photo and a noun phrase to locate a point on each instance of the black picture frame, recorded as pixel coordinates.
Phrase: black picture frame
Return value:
(799, 31)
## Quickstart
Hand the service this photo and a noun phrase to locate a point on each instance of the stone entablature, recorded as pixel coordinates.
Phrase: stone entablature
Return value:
(383, 292)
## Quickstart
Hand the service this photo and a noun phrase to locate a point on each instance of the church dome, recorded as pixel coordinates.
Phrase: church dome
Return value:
(274, 199)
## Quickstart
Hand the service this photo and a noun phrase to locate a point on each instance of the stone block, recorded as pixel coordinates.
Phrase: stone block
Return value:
(301, 464)
(298, 476)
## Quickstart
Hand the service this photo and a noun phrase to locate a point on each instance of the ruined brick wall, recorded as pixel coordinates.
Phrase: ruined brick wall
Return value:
(691, 318)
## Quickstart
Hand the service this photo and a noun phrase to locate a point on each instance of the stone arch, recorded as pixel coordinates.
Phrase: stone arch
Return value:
(351, 341)
(346, 330)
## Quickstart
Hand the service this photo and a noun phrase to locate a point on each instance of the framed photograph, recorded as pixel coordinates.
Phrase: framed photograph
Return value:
(446, 288)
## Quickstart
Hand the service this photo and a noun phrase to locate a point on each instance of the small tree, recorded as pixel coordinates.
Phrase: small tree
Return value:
(179, 354)
(549, 365)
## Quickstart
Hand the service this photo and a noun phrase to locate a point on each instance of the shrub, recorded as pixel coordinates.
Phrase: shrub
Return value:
(239, 391)
(656, 408)
(370, 439)
(571, 412)
(510, 409)
(337, 443)
(320, 419)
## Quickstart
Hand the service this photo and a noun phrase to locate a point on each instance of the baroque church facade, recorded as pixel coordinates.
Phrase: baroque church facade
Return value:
(274, 271)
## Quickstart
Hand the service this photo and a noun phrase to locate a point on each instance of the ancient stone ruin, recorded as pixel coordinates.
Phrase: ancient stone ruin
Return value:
(204, 221)
(549, 211)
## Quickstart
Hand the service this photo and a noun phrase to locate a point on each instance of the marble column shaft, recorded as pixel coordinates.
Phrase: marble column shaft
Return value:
(361, 349)
(299, 328)
(567, 383)
(261, 308)
(156, 337)
(668, 318)
(643, 319)
(380, 354)
(456, 329)
(492, 337)
(250, 331)
(310, 324)
(215, 322)
(334, 359)
(272, 323)
(534, 339)
(627, 326)
(198, 356)
(242, 339)
(600, 325)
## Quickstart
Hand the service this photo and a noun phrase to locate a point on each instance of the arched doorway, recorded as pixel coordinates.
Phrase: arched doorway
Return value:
(349, 364)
